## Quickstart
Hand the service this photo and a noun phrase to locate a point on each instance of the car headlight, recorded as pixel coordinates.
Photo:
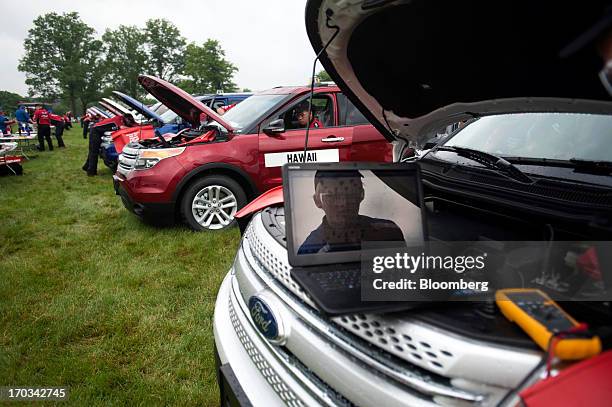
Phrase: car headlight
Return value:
(149, 158)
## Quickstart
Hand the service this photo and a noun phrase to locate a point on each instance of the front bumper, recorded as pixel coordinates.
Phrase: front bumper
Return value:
(109, 155)
(324, 360)
(230, 390)
(262, 378)
(157, 212)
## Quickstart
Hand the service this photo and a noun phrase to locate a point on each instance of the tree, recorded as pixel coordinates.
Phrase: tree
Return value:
(207, 69)
(165, 48)
(126, 58)
(62, 58)
(323, 76)
(9, 100)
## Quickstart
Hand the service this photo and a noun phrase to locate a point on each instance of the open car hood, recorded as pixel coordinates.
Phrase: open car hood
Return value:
(180, 102)
(101, 112)
(138, 106)
(413, 67)
(113, 107)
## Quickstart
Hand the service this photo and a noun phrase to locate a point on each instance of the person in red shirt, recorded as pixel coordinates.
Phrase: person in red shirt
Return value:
(85, 122)
(302, 116)
(42, 119)
(58, 121)
(68, 120)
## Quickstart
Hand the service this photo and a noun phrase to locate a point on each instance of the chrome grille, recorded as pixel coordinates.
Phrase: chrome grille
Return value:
(376, 329)
(278, 267)
(288, 397)
(127, 160)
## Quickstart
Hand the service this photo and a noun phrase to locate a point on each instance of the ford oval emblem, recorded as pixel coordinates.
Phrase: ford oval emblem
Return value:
(264, 319)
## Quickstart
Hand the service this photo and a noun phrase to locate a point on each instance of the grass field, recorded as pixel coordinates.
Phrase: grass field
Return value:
(92, 298)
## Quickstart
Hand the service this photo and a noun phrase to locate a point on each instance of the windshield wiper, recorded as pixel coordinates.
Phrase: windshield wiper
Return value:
(489, 160)
(598, 167)
(544, 162)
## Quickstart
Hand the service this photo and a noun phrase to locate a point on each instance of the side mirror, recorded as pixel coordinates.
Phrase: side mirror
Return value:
(275, 127)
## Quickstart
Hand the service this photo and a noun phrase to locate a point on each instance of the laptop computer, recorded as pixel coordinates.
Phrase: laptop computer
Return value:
(333, 211)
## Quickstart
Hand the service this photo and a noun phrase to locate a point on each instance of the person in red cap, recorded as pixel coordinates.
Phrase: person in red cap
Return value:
(41, 117)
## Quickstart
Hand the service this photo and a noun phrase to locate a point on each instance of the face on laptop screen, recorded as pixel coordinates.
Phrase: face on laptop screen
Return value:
(332, 211)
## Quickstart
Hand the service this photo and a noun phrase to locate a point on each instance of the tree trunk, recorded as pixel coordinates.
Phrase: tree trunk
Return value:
(72, 101)
(73, 105)
(84, 104)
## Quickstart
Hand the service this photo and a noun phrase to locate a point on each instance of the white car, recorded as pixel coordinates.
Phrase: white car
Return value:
(413, 68)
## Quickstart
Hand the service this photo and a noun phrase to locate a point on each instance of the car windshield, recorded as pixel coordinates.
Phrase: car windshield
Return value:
(560, 136)
(246, 113)
(169, 116)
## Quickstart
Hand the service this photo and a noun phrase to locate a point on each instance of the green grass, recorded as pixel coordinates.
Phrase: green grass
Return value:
(94, 299)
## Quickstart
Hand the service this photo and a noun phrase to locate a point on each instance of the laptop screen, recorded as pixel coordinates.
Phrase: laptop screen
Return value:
(332, 209)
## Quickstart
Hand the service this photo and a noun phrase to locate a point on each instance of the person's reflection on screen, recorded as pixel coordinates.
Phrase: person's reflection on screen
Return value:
(339, 194)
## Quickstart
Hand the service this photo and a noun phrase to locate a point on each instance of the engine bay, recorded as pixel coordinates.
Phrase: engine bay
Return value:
(205, 134)
(506, 238)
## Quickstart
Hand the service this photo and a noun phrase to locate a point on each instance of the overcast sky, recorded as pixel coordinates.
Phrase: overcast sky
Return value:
(265, 39)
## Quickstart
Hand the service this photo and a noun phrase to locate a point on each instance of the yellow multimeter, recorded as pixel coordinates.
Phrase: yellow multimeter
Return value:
(542, 318)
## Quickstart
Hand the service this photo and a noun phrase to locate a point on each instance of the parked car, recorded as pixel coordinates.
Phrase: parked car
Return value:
(98, 111)
(233, 158)
(159, 124)
(146, 122)
(414, 68)
(158, 108)
(119, 109)
(213, 101)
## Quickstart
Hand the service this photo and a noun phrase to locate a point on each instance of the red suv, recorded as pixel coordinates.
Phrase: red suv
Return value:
(206, 175)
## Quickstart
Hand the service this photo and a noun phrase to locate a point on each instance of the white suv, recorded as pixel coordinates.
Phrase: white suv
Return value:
(413, 67)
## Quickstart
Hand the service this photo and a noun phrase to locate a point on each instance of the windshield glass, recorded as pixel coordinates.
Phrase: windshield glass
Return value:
(169, 116)
(560, 136)
(246, 113)
(161, 109)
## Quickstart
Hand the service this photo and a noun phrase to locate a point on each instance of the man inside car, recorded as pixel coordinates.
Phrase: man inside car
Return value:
(302, 113)
(339, 194)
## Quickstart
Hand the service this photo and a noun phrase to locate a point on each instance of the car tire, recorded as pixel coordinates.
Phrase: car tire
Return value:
(211, 202)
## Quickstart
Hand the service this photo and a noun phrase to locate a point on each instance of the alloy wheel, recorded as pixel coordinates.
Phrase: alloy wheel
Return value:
(214, 207)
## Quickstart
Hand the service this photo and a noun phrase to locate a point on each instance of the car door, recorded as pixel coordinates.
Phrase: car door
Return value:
(367, 142)
(327, 143)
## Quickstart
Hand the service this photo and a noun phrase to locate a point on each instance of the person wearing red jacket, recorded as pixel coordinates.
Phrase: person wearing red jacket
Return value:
(68, 120)
(42, 119)
(302, 116)
(58, 121)
(85, 122)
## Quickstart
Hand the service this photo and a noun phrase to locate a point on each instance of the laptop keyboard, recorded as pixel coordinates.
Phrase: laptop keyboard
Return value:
(337, 280)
